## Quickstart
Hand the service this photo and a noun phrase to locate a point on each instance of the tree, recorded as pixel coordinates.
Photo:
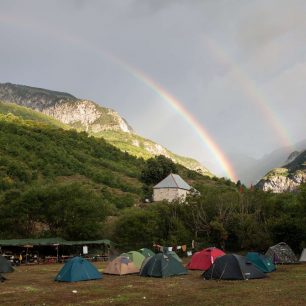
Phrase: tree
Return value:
(156, 169)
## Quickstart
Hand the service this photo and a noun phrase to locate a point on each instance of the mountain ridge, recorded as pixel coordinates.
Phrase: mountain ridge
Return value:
(288, 177)
(96, 120)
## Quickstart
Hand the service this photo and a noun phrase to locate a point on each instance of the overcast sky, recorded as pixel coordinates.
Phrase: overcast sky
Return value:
(238, 66)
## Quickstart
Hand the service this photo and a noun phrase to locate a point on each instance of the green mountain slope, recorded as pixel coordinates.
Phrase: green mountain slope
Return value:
(98, 121)
(28, 114)
(33, 152)
(145, 148)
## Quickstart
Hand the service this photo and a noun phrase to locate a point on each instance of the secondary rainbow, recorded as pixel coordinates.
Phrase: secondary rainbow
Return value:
(251, 89)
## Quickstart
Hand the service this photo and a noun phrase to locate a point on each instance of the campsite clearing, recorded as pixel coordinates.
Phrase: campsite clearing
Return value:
(35, 285)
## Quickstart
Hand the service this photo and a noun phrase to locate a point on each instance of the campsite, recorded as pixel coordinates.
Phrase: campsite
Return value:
(35, 285)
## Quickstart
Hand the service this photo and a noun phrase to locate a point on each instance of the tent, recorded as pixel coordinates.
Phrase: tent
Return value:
(233, 267)
(173, 254)
(146, 252)
(303, 256)
(281, 253)
(121, 265)
(203, 260)
(78, 269)
(261, 262)
(5, 265)
(2, 278)
(162, 265)
(136, 257)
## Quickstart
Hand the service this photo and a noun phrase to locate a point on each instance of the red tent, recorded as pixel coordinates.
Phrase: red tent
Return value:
(202, 260)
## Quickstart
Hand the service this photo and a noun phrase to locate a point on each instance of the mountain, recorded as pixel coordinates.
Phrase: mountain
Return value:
(287, 177)
(98, 121)
(250, 170)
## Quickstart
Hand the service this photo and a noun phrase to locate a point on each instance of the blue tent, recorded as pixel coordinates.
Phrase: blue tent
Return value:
(261, 262)
(78, 269)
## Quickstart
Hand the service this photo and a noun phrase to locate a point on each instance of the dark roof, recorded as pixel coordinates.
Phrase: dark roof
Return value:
(173, 181)
(50, 241)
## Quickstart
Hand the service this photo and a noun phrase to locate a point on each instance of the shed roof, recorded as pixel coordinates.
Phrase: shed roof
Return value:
(50, 241)
(173, 181)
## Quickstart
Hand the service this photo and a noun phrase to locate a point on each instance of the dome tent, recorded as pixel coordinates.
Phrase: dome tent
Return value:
(162, 265)
(5, 265)
(173, 254)
(146, 252)
(281, 253)
(121, 265)
(233, 267)
(78, 269)
(261, 262)
(303, 256)
(2, 278)
(203, 260)
(136, 257)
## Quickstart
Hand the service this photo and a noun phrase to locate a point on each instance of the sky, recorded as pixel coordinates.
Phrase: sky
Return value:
(234, 70)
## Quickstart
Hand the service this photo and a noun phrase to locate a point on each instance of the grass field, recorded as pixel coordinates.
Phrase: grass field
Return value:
(34, 285)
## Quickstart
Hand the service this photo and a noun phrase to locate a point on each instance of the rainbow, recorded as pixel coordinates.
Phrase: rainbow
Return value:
(248, 85)
(179, 107)
(157, 88)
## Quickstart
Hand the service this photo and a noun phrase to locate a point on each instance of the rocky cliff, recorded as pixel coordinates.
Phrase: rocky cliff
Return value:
(82, 114)
(287, 178)
(86, 115)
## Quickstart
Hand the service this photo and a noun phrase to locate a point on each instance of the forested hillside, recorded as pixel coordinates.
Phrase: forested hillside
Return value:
(56, 182)
(48, 172)
(89, 116)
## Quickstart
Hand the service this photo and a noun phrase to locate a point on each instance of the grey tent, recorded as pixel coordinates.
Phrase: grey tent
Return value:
(162, 265)
(2, 278)
(281, 253)
(173, 254)
(233, 267)
(5, 265)
(303, 256)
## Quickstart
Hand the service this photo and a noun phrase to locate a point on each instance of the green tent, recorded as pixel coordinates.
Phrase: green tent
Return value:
(162, 265)
(261, 262)
(146, 252)
(78, 269)
(136, 257)
(5, 265)
(173, 254)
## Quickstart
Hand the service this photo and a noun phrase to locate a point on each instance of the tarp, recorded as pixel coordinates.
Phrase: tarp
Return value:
(233, 267)
(78, 269)
(51, 241)
(203, 260)
(162, 265)
(5, 265)
(121, 265)
(261, 262)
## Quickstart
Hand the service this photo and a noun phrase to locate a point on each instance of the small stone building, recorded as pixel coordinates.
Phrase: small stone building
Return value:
(171, 188)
